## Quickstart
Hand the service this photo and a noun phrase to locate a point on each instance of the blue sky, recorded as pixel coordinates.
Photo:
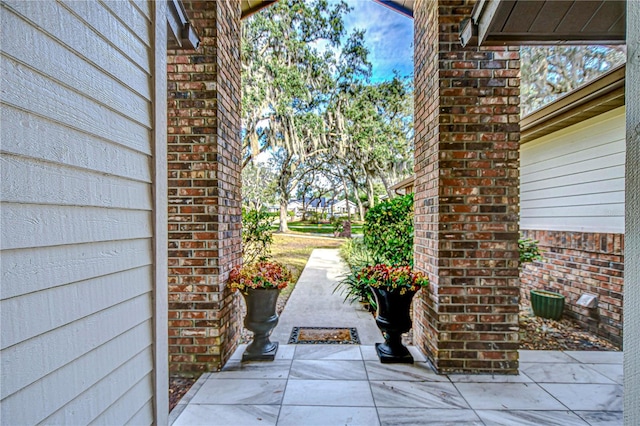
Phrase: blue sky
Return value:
(389, 37)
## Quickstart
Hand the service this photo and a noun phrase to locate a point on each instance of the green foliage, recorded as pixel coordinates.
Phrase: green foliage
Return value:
(355, 253)
(551, 71)
(354, 289)
(337, 223)
(529, 250)
(388, 231)
(256, 235)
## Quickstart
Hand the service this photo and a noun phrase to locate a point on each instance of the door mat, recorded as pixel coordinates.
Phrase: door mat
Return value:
(324, 335)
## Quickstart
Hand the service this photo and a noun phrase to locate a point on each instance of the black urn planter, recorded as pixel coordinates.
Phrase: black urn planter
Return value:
(393, 319)
(261, 319)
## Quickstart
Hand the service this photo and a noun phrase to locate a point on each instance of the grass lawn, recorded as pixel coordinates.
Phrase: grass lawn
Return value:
(295, 251)
(318, 228)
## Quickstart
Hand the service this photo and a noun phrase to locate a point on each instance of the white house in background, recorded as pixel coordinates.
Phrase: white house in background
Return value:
(83, 234)
(344, 207)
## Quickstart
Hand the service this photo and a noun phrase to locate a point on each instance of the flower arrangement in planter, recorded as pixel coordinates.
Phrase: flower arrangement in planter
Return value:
(390, 278)
(260, 275)
(260, 284)
(393, 288)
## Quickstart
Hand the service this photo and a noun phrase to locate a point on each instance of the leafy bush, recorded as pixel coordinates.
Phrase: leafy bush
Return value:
(355, 289)
(357, 256)
(355, 253)
(256, 235)
(388, 231)
(529, 250)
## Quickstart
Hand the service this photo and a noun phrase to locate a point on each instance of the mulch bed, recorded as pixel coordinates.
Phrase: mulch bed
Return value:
(178, 387)
(565, 335)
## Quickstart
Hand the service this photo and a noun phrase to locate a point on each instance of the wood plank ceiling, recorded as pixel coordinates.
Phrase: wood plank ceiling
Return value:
(548, 22)
(405, 7)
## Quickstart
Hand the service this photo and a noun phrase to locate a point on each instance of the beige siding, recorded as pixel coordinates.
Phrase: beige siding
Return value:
(77, 231)
(573, 179)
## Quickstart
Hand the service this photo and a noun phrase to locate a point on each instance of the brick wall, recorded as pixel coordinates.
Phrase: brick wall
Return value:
(467, 159)
(204, 164)
(576, 263)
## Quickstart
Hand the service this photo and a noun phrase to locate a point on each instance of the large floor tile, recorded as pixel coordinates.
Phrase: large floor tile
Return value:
(597, 357)
(428, 416)
(530, 418)
(327, 369)
(419, 371)
(340, 393)
(297, 415)
(254, 370)
(238, 415)
(507, 396)
(563, 373)
(369, 353)
(602, 418)
(614, 372)
(240, 391)
(418, 356)
(284, 352)
(587, 396)
(490, 378)
(337, 352)
(555, 357)
(407, 394)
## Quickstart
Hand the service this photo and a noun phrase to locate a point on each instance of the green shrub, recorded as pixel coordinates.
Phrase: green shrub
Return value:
(256, 235)
(355, 254)
(529, 250)
(355, 289)
(388, 231)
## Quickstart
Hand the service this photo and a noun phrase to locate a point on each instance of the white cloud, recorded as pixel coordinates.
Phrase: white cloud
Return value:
(389, 37)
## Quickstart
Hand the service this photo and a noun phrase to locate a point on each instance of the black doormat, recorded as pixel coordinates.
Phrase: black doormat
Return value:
(324, 335)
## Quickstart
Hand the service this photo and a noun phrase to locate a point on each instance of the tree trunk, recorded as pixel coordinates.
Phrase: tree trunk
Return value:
(346, 195)
(370, 193)
(387, 187)
(284, 227)
(360, 206)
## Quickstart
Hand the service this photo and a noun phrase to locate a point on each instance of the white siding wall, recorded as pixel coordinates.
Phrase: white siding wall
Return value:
(573, 179)
(76, 300)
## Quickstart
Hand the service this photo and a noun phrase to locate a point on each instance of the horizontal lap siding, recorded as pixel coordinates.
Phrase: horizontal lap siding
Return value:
(77, 225)
(573, 179)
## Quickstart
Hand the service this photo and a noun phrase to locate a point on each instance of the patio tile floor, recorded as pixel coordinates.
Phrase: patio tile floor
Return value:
(328, 385)
(345, 385)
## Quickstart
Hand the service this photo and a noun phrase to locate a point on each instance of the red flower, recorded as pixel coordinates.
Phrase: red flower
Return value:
(393, 277)
(265, 274)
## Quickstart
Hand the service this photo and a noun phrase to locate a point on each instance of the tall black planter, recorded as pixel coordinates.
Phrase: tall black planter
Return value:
(261, 319)
(393, 319)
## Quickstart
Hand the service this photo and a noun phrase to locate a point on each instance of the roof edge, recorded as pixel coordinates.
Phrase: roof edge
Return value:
(604, 93)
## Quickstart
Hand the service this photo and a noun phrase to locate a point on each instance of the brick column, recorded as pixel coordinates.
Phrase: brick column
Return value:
(466, 195)
(204, 161)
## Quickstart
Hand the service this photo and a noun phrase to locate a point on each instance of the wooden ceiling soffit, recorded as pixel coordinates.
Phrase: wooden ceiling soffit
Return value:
(249, 7)
(181, 34)
(597, 97)
(518, 22)
(403, 7)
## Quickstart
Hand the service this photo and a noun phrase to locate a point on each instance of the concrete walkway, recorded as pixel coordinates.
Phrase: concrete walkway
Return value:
(313, 303)
(346, 384)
